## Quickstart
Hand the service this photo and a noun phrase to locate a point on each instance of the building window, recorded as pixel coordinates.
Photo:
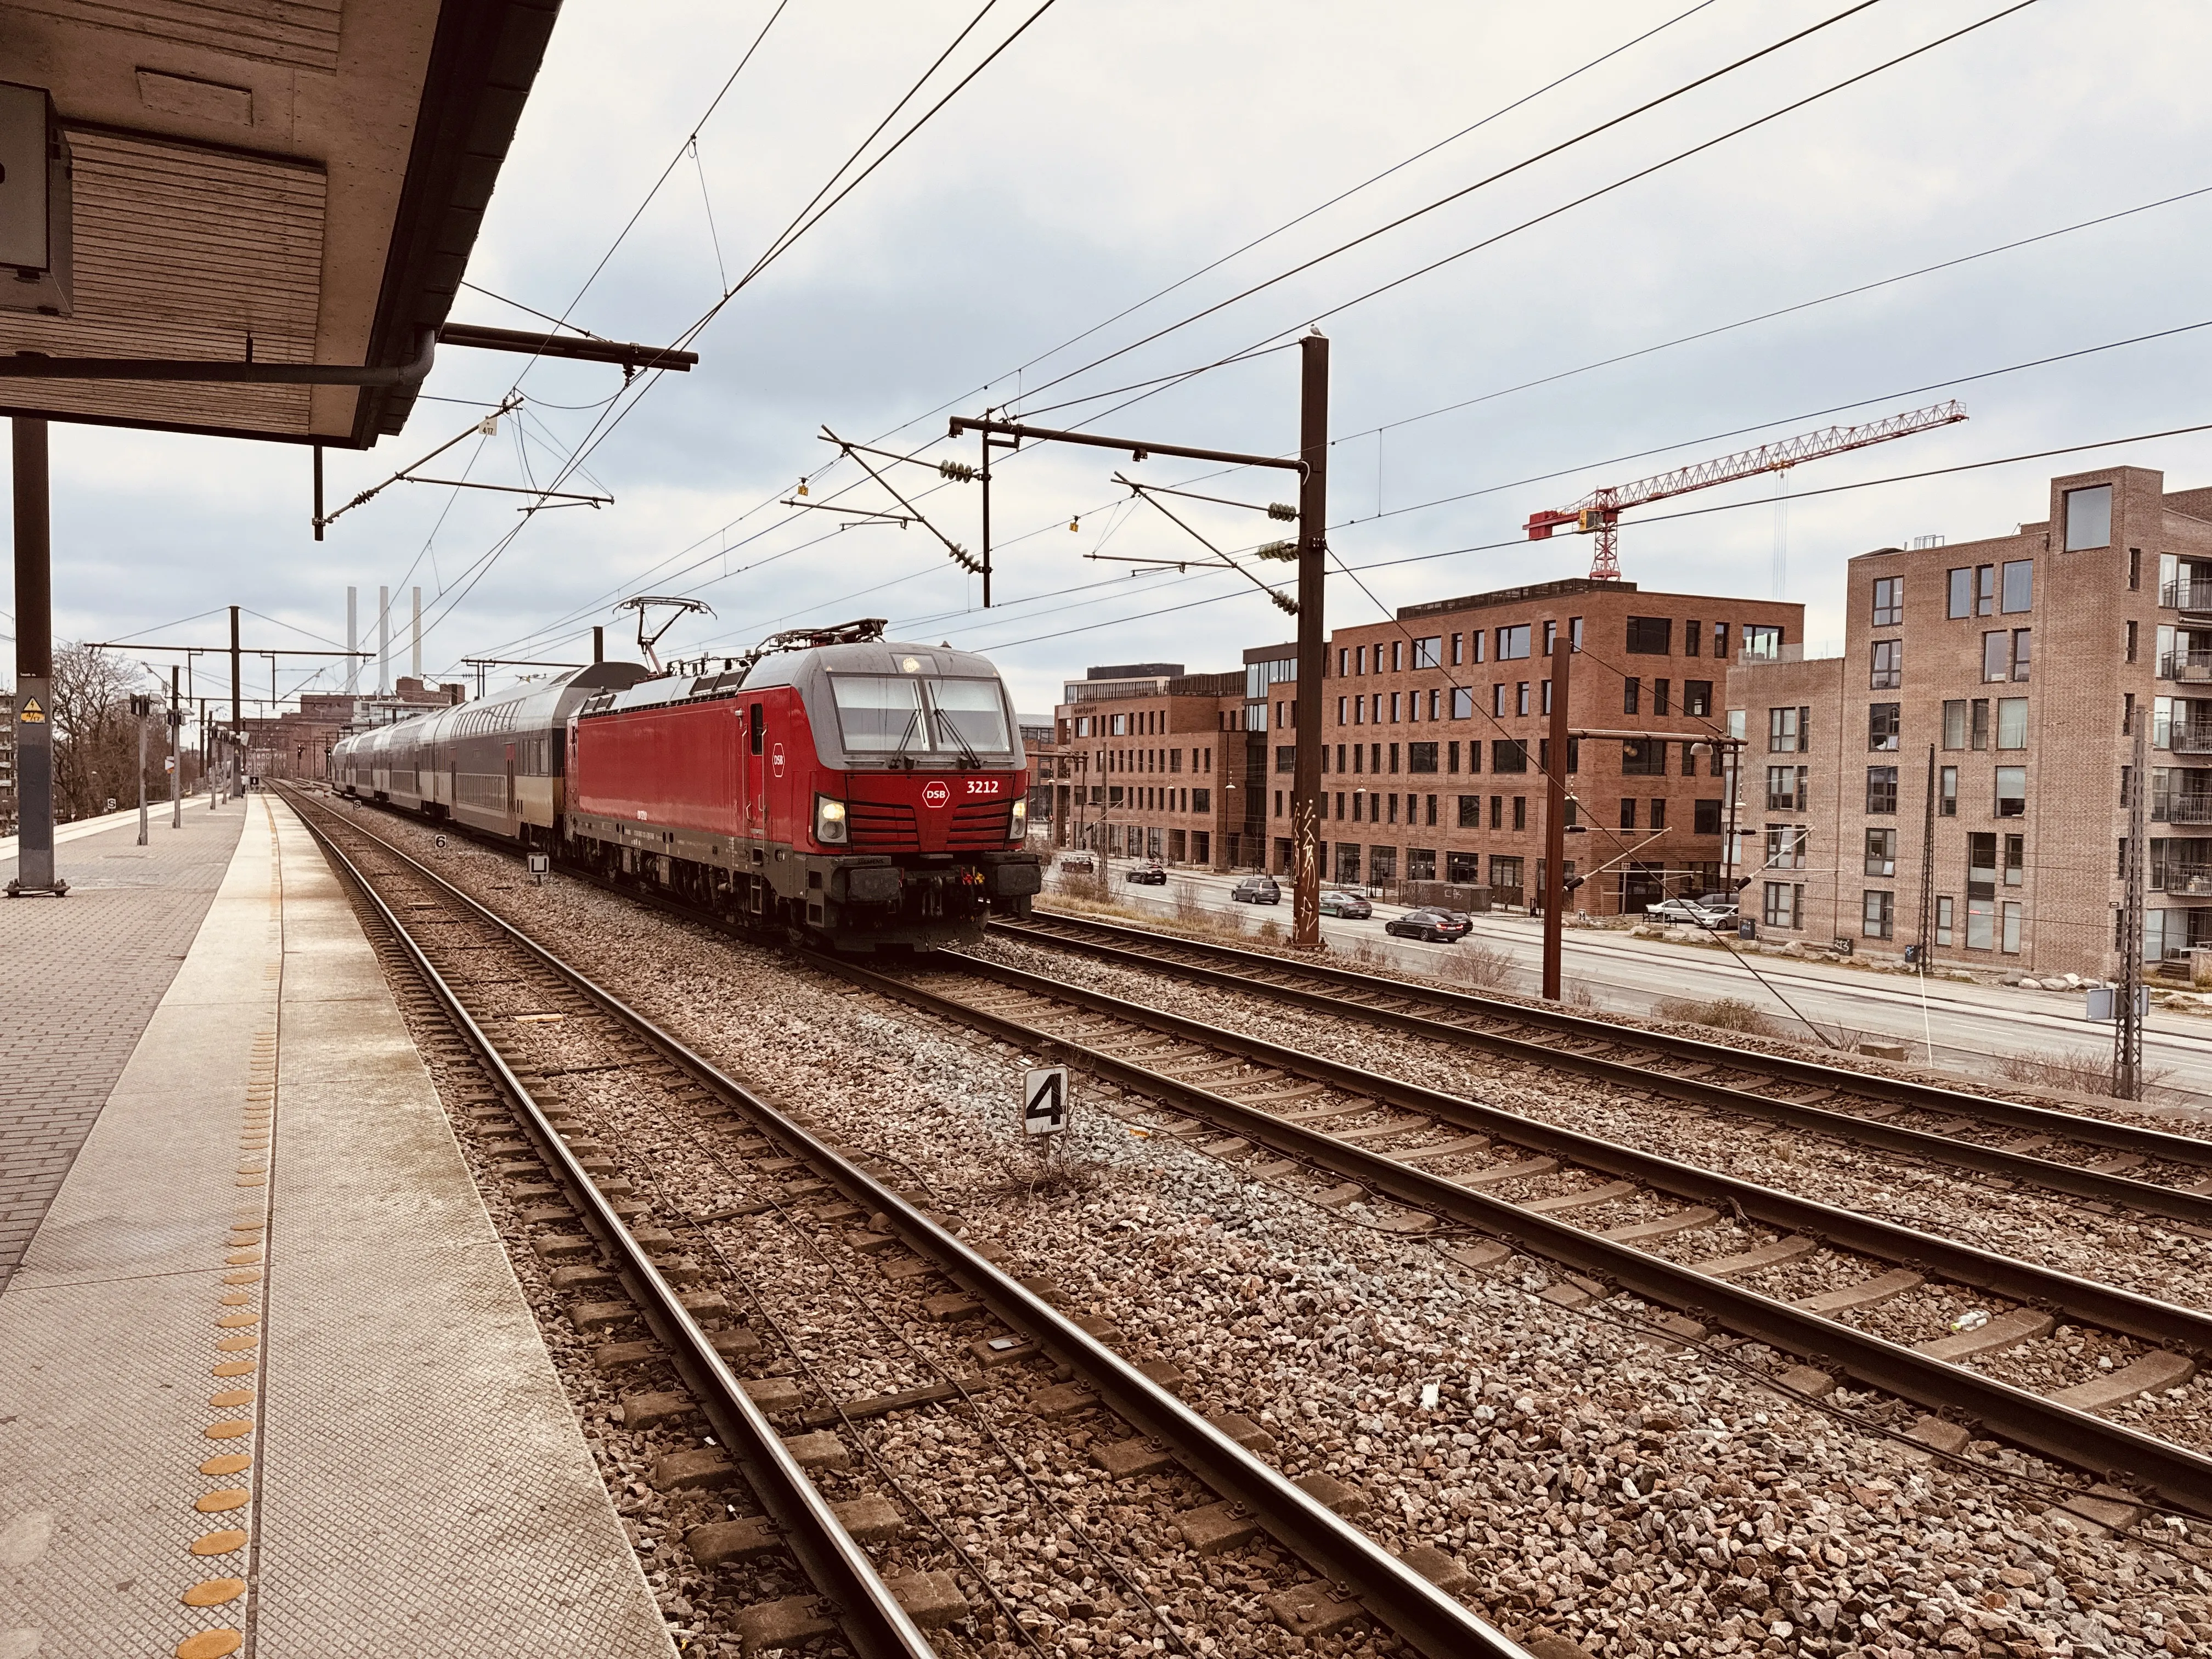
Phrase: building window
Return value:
(1429, 652)
(1881, 852)
(2131, 641)
(1884, 721)
(1996, 656)
(1383, 864)
(2012, 722)
(1946, 787)
(2022, 644)
(1658, 815)
(1628, 811)
(1632, 696)
(1463, 703)
(1762, 643)
(1202, 801)
(1977, 732)
(1788, 846)
(1420, 863)
(1785, 788)
(1981, 924)
(1878, 914)
(1509, 755)
(1520, 811)
(1396, 698)
(1458, 654)
(1786, 730)
(1882, 789)
(2012, 791)
(1394, 757)
(1954, 723)
(1463, 869)
(2008, 940)
(1644, 757)
(1783, 902)
(1720, 641)
(1889, 601)
(1287, 757)
(1706, 817)
(1512, 643)
(1651, 636)
(1420, 757)
(2015, 861)
(1888, 668)
(1520, 697)
(2018, 585)
(1959, 593)
(1694, 637)
(2088, 518)
(1497, 811)
(1697, 697)
(1943, 919)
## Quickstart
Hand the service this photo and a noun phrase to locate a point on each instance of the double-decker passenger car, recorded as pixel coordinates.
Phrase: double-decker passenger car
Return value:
(834, 785)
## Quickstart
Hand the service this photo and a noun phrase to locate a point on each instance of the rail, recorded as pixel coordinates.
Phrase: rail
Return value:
(1393, 1592)
(2073, 1438)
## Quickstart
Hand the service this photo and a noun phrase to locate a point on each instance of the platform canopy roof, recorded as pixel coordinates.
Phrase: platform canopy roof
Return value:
(290, 181)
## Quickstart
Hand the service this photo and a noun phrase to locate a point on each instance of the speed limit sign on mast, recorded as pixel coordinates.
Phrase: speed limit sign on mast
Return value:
(1044, 1101)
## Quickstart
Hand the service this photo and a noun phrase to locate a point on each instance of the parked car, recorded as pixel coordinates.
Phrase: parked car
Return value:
(1437, 926)
(1257, 889)
(1148, 875)
(1712, 910)
(1353, 906)
(1077, 863)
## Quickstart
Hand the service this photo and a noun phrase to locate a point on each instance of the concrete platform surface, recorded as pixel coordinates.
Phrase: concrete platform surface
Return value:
(270, 1384)
(80, 978)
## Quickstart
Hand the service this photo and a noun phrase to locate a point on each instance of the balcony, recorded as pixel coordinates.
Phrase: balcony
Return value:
(2182, 809)
(2185, 594)
(2185, 881)
(2191, 739)
(2191, 667)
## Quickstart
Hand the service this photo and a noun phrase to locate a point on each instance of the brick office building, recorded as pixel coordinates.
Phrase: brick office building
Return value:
(1435, 740)
(1149, 761)
(2022, 662)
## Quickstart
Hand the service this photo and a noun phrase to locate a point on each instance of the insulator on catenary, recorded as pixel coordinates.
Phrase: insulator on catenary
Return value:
(1285, 551)
(1282, 510)
(1284, 603)
(958, 471)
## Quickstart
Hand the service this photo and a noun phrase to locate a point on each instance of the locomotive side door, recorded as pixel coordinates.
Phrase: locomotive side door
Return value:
(755, 769)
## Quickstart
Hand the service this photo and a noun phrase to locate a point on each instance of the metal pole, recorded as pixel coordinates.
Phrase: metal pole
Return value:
(1555, 812)
(352, 642)
(985, 478)
(237, 689)
(318, 492)
(142, 776)
(383, 641)
(176, 719)
(415, 660)
(2127, 1021)
(599, 645)
(34, 665)
(1313, 641)
(1928, 870)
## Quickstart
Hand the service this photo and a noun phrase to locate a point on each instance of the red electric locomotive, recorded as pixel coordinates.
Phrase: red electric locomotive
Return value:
(852, 791)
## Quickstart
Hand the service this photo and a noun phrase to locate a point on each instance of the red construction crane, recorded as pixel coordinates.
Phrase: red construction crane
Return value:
(1598, 513)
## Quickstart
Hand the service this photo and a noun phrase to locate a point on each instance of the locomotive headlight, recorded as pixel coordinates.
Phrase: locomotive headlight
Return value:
(1021, 817)
(829, 819)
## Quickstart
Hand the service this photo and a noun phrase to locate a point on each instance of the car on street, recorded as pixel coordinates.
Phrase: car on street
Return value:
(1352, 907)
(1256, 890)
(1148, 875)
(1712, 910)
(1076, 863)
(1437, 926)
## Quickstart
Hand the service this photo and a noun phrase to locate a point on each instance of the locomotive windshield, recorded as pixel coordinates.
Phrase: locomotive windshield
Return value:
(900, 715)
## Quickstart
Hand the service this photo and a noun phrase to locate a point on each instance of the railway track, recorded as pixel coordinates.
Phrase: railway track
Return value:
(615, 1235)
(2124, 1165)
(1853, 1295)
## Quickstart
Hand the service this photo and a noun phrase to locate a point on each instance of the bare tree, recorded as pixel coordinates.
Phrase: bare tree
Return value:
(95, 739)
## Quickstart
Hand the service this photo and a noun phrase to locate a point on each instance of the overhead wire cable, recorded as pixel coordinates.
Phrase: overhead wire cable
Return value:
(1465, 191)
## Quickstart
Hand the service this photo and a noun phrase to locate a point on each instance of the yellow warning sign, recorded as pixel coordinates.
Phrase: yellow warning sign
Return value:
(33, 715)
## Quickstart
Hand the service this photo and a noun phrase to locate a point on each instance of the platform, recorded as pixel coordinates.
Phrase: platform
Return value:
(269, 1383)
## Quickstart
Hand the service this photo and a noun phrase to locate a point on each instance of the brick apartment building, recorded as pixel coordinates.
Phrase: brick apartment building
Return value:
(297, 743)
(1150, 762)
(2013, 670)
(1435, 740)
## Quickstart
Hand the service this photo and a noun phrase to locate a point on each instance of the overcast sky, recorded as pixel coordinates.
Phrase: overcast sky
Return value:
(1116, 149)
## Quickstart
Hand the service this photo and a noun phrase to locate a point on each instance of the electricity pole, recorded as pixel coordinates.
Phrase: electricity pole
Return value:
(141, 707)
(1313, 641)
(34, 665)
(1927, 954)
(1555, 814)
(2127, 1018)
(237, 692)
(176, 718)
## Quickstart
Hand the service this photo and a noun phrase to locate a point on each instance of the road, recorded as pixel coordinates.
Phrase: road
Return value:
(1958, 1026)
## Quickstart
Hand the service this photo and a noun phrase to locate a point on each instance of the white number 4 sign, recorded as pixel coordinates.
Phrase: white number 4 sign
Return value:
(1044, 1101)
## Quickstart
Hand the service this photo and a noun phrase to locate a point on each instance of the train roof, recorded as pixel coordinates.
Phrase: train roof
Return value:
(800, 669)
(486, 712)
